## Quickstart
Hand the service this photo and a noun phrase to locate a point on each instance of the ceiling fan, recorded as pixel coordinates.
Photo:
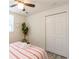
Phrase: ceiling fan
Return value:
(21, 2)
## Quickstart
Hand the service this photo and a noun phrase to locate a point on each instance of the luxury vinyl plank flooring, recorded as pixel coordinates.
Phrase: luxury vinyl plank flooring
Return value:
(55, 56)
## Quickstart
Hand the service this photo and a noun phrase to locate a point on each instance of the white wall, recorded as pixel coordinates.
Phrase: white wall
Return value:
(17, 34)
(37, 25)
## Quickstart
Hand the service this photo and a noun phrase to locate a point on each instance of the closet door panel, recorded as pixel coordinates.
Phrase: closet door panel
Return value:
(61, 31)
(57, 34)
(50, 34)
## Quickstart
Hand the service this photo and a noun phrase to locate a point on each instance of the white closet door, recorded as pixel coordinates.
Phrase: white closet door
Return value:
(50, 34)
(57, 34)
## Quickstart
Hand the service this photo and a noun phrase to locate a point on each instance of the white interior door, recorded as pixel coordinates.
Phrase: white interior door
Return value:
(57, 34)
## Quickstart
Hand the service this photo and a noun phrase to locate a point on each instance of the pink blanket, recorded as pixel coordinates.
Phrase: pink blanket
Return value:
(31, 52)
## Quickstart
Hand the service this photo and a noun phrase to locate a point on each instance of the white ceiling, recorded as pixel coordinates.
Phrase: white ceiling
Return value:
(40, 5)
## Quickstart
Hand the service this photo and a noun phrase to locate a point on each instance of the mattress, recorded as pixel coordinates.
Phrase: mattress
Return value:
(19, 51)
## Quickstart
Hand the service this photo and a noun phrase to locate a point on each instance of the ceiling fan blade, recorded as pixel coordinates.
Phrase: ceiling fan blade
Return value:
(30, 5)
(13, 5)
(27, 4)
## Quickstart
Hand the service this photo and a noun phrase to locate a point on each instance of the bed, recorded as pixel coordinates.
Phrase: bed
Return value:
(19, 50)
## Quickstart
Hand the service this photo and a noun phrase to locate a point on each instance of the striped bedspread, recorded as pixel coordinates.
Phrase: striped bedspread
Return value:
(16, 51)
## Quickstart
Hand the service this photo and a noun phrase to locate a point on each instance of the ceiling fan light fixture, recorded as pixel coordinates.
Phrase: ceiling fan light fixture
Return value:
(20, 6)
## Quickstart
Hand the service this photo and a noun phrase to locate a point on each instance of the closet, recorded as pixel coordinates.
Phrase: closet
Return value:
(56, 27)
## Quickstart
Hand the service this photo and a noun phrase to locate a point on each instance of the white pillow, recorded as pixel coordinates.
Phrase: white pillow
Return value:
(25, 45)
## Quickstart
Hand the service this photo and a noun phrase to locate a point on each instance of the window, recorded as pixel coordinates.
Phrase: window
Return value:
(11, 23)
